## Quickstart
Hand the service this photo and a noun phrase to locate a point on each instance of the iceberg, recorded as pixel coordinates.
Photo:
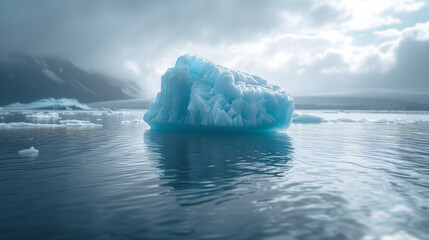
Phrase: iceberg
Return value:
(49, 103)
(31, 152)
(197, 94)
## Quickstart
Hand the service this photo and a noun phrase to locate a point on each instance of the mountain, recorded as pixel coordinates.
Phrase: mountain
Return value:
(26, 79)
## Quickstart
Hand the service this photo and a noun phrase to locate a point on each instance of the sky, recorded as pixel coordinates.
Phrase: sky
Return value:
(307, 47)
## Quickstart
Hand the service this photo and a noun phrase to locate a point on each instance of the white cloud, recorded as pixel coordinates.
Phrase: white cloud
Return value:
(301, 61)
(132, 66)
(409, 6)
(370, 14)
(419, 32)
(388, 33)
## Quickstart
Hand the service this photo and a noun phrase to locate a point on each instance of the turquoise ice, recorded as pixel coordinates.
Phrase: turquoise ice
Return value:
(197, 94)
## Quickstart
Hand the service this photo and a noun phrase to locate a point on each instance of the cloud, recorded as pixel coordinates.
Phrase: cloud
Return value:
(388, 33)
(133, 67)
(104, 34)
(370, 14)
(332, 60)
(299, 44)
(409, 6)
(411, 57)
(325, 14)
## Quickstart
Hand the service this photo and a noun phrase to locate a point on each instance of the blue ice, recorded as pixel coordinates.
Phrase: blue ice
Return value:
(197, 94)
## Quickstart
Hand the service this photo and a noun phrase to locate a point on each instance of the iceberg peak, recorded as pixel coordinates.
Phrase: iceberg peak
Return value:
(197, 94)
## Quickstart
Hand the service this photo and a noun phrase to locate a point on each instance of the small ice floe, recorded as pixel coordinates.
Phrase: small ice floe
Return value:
(40, 116)
(307, 118)
(74, 123)
(114, 113)
(344, 120)
(62, 124)
(31, 152)
(20, 125)
(68, 113)
(385, 121)
(330, 111)
(130, 122)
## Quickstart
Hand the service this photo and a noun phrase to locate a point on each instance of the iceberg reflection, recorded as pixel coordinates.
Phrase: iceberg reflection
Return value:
(196, 160)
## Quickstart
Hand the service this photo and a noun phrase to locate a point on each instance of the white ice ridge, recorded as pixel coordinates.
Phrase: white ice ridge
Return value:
(31, 152)
(74, 123)
(63, 124)
(197, 94)
(21, 125)
(361, 118)
(49, 103)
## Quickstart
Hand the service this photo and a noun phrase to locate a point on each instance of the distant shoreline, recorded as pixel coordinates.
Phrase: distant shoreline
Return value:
(382, 103)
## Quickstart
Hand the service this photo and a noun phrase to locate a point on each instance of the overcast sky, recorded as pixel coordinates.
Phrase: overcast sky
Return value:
(307, 47)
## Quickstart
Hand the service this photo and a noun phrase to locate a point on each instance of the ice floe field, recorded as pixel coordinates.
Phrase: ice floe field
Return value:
(332, 174)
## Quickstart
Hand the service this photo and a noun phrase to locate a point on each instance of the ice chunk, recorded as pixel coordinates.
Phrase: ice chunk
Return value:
(307, 118)
(344, 120)
(74, 123)
(198, 94)
(130, 122)
(39, 117)
(49, 103)
(31, 152)
(19, 125)
(63, 124)
(114, 113)
(68, 113)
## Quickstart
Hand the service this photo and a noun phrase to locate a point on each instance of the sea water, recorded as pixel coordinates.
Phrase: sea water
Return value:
(362, 179)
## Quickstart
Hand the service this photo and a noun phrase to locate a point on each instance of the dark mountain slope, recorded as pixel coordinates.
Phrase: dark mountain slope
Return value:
(26, 79)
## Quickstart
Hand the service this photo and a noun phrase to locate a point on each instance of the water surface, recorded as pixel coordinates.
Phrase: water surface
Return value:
(333, 180)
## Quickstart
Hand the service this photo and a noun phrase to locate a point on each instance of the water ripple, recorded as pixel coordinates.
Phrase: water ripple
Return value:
(330, 181)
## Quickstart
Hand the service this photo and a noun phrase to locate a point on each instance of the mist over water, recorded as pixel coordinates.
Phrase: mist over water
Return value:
(333, 180)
